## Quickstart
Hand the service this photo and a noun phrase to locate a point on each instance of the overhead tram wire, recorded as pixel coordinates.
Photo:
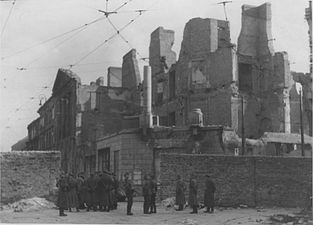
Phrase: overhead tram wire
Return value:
(7, 19)
(123, 38)
(104, 42)
(53, 38)
(58, 44)
(125, 3)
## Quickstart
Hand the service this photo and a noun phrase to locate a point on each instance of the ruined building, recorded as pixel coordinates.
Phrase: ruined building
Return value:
(212, 76)
(75, 114)
(187, 105)
(203, 77)
(263, 74)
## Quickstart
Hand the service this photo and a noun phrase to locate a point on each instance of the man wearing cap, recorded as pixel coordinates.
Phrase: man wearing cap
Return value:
(72, 194)
(209, 194)
(82, 190)
(193, 191)
(63, 188)
(129, 193)
(154, 189)
(180, 193)
(91, 184)
(146, 191)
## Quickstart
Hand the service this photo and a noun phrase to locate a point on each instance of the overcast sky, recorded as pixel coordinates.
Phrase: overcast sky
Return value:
(32, 22)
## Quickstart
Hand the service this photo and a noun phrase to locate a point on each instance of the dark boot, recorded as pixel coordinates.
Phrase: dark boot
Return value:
(194, 210)
(77, 209)
(61, 212)
(69, 209)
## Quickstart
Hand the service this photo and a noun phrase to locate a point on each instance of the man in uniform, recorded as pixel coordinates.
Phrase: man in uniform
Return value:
(180, 193)
(146, 191)
(62, 202)
(100, 192)
(91, 184)
(209, 194)
(154, 189)
(107, 181)
(72, 195)
(129, 191)
(193, 190)
(114, 192)
(81, 190)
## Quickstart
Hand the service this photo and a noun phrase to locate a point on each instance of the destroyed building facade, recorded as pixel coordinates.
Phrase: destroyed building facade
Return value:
(125, 125)
(75, 114)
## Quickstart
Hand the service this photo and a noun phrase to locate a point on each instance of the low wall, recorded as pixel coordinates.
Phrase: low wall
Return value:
(249, 180)
(26, 174)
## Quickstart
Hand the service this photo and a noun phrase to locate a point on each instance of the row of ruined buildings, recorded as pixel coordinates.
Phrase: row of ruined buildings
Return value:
(194, 104)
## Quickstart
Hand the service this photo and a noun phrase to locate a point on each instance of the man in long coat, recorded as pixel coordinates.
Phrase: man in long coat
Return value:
(72, 194)
(91, 185)
(82, 191)
(129, 191)
(100, 192)
(62, 201)
(180, 193)
(193, 191)
(114, 191)
(146, 191)
(154, 189)
(209, 194)
(107, 183)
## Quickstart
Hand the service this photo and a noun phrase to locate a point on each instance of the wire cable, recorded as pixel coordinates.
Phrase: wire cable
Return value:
(57, 45)
(92, 51)
(7, 19)
(53, 38)
(124, 39)
(125, 3)
(104, 42)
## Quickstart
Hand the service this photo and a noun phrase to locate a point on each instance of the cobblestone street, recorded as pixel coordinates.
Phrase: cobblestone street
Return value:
(225, 216)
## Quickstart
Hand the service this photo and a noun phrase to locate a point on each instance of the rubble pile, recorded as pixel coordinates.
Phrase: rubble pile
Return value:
(290, 219)
(169, 202)
(31, 204)
(189, 222)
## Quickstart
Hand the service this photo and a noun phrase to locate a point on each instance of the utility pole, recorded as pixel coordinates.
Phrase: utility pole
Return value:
(224, 6)
(301, 123)
(243, 138)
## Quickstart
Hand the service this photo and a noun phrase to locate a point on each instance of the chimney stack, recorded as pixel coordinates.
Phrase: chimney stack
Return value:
(146, 120)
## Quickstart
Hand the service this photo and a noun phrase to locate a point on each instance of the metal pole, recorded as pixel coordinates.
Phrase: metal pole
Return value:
(243, 139)
(301, 124)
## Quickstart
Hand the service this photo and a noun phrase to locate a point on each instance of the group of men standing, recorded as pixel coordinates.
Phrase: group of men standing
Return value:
(193, 194)
(98, 192)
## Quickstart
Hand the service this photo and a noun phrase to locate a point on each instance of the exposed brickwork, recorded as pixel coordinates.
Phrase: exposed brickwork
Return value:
(130, 71)
(28, 174)
(254, 181)
(202, 77)
(264, 76)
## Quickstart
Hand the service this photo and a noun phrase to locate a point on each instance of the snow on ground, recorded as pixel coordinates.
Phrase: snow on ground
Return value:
(165, 215)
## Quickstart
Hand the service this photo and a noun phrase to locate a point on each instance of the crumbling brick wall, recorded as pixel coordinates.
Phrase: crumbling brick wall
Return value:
(263, 75)
(253, 181)
(28, 174)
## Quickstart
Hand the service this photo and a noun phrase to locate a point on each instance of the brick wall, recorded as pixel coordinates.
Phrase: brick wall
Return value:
(254, 181)
(28, 174)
